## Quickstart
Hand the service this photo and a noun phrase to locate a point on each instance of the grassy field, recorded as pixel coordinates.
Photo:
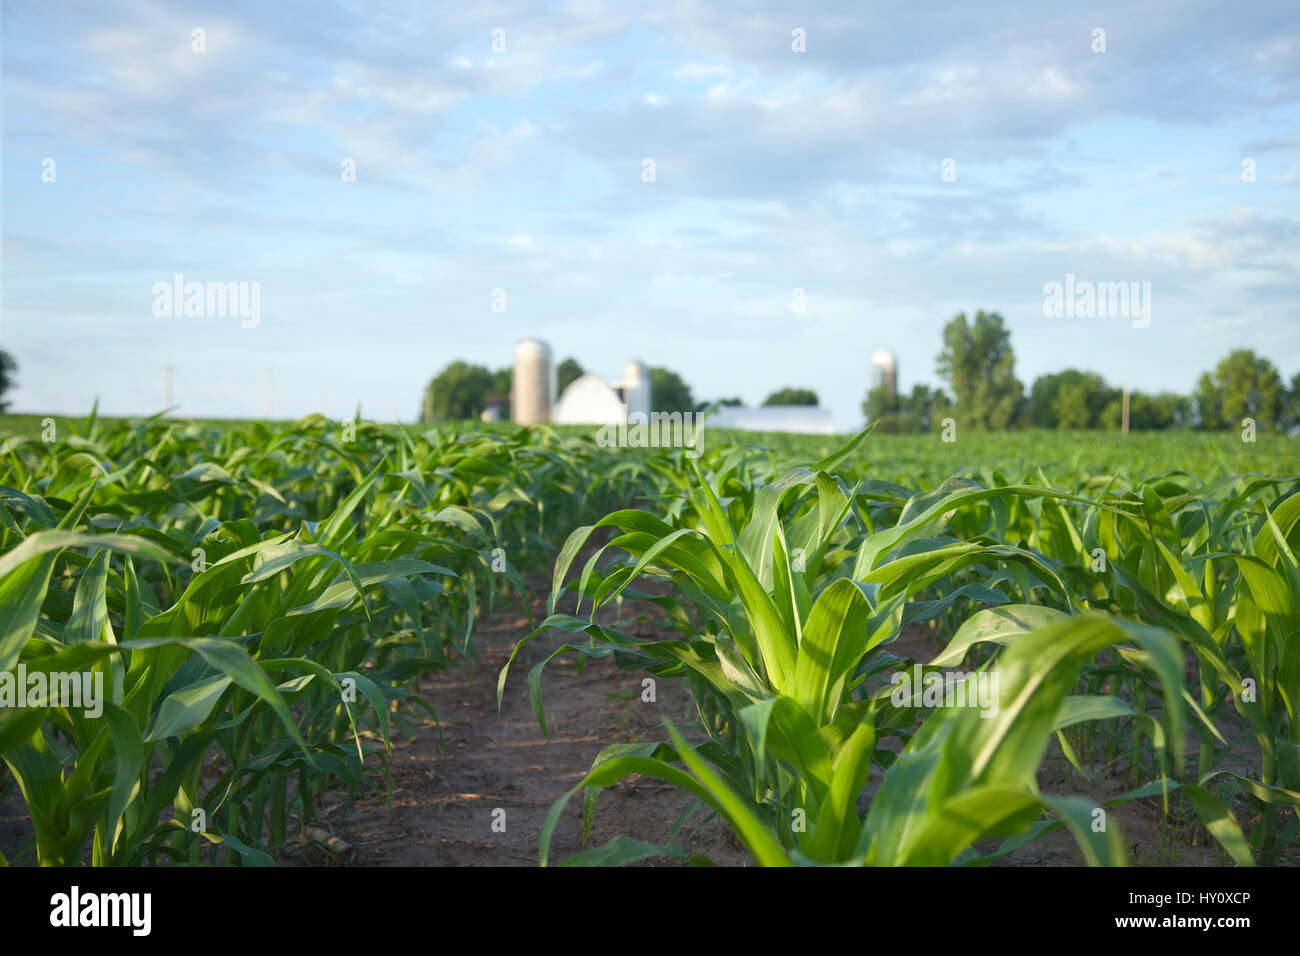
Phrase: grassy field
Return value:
(257, 602)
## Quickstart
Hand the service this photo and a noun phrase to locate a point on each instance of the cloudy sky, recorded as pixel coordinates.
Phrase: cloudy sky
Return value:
(522, 169)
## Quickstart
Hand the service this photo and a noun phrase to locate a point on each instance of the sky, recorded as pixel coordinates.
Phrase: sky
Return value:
(898, 163)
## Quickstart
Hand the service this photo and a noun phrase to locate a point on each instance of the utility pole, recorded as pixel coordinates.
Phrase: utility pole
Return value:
(1125, 426)
(167, 390)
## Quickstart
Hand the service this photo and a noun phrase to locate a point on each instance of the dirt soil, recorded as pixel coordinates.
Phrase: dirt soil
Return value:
(444, 800)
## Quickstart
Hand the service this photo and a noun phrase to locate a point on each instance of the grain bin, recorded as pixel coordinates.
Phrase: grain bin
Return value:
(884, 371)
(534, 385)
(636, 387)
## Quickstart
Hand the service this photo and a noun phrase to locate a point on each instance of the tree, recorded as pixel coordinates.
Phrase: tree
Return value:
(1148, 412)
(879, 403)
(459, 391)
(978, 362)
(669, 393)
(7, 368)
(928, 406)
(921, 411)
(1069, 399)
(1242, 385)
(721, 403)
(1071, 406)
(1288, 420)
(566, 373)
(792, 396)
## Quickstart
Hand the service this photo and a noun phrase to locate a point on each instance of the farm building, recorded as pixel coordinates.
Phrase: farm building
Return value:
(801, 419)
(884, 371)
(589, 399)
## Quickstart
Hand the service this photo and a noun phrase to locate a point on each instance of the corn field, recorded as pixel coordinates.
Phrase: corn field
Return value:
(259, 601)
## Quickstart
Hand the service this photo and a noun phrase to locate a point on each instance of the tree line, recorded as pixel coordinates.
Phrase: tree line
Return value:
(463, 390)
(7, 369)
(977, 363)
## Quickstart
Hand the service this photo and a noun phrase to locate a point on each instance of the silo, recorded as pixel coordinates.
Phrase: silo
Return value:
(636, 387)
(884, 371)
(534, 385)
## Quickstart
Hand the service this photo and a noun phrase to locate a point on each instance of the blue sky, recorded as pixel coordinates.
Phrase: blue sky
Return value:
(521, 170)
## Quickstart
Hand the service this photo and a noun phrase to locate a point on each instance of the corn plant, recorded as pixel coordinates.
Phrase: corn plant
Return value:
(257, 604)
(780, 646)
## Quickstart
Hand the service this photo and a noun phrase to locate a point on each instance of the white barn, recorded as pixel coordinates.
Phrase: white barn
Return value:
(589, 401)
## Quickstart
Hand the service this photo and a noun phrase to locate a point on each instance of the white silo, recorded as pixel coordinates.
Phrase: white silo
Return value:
(884, 371)
(636, 387)
(534, 385)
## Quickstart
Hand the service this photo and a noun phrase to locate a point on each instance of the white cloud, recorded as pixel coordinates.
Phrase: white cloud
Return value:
(698, 71)
(411, 93)
(582, 72)
(776, 171)
(152, 59)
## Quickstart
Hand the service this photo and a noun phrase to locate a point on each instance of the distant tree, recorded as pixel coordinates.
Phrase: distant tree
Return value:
(7, 368)
(566, 373)
(921, 411)
(1071, 406)
(721, 403)
(792, 396)
(1069, 399)
(1148, 412)
(1288, 420)
(928, 406)
(978, 362)
(879, 403)
(1242, 385)
(669, 393)
(459, 391)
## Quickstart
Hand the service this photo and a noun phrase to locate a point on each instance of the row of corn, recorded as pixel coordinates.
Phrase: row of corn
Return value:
(1148, 631)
